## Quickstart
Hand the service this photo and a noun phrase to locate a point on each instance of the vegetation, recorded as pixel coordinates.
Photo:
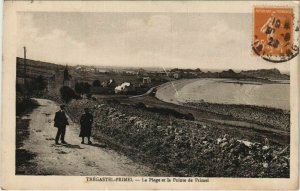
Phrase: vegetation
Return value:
(67, 94)
(82, 88)
(67, 76)
(24, 104)
(33, 87)
(37, 85)
(96, 83)
(182, 147)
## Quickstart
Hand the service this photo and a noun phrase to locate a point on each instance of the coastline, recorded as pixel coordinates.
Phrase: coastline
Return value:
(267, 116)
(171, 92)
(166, 91)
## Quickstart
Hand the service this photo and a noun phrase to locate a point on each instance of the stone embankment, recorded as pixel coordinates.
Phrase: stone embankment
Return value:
(182, 147)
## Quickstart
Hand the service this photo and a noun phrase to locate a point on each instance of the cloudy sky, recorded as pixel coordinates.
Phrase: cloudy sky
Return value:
(185, 40)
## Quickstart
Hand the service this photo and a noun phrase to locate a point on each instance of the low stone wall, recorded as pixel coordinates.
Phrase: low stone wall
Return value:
(182, 147)
(271, 117)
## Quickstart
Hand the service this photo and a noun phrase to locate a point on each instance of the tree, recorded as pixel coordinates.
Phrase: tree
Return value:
(96, 83)
(67, 93)
(79, 88)
(112, 83)
(41, 83)
(36, 85)
(82, 88)
(67, 76)
(86, 88)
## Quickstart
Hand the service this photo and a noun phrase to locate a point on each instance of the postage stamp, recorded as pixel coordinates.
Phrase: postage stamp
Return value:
(273, 35)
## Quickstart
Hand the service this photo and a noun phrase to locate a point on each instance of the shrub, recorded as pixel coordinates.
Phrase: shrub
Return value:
(96, 83)
(19, 88)
(82, 88)
(34, 86)
(89, 95)
(67, 94)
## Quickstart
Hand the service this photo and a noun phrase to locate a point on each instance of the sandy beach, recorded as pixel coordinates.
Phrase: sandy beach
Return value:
(226, 91)
(167, 92)
(272, 117)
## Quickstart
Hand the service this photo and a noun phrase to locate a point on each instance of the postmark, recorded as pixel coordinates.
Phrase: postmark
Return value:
(274, 33)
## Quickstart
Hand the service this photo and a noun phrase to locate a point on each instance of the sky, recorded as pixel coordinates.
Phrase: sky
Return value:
(179, 40)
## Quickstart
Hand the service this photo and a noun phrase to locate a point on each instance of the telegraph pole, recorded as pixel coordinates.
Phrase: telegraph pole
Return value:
(24, 63)
(25, 75)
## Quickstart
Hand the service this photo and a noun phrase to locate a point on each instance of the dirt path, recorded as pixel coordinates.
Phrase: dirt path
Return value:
(74, 158)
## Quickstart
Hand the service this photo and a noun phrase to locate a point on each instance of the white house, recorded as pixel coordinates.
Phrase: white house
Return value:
(122, 88)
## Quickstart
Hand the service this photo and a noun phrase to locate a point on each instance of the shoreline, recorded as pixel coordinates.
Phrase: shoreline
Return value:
(265, 116)
(271, 117)
(176, 85)
(167, 93)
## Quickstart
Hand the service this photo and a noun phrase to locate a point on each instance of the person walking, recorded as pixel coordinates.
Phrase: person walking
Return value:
(86, 122)
(60, 121)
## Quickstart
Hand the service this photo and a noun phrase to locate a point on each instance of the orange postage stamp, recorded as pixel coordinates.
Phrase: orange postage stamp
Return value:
(273, 33)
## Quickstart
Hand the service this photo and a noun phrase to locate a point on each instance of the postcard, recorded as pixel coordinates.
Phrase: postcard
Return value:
(150, 95)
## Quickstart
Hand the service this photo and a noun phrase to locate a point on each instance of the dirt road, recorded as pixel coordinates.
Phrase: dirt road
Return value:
(73, 158)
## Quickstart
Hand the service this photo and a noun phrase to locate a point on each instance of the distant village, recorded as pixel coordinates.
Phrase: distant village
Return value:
(131, 81)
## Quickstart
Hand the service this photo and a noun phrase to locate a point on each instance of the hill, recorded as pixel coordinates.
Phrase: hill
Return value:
(35, 68)
(266, 73)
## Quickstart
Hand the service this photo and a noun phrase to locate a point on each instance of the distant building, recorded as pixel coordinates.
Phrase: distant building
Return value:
(176, 75)
(123, 87)
(108, 83)
(146, 80)
(163, 73)
(101, 70)
(130, 72)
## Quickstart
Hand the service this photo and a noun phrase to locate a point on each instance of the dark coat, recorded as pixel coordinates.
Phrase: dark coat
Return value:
(86, 122)
(60, 119)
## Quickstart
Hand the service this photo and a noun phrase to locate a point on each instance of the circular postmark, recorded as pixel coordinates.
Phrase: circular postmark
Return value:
(274, 34)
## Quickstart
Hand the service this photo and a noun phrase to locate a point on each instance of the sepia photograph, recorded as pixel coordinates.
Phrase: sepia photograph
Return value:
(113, 96)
